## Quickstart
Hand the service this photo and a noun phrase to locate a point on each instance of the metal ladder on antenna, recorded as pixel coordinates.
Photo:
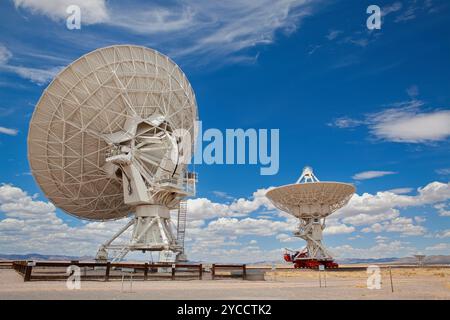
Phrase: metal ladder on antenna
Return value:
(181, 223)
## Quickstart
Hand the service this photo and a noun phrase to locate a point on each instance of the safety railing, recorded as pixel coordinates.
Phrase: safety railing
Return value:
(6, 264)
(46, 270)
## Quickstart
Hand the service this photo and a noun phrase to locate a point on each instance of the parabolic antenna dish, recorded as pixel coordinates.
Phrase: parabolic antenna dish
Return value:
(99, 101)
(313, 199)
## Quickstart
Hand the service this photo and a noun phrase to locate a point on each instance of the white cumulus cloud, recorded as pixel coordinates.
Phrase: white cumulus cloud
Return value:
(30, 225)
(403, 122)
(381, 249)
(372, 209)
(410, 125)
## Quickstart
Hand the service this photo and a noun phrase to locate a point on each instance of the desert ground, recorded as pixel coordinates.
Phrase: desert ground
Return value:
(408, 283)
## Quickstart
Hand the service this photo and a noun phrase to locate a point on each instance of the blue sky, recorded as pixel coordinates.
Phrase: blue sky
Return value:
(346, 100)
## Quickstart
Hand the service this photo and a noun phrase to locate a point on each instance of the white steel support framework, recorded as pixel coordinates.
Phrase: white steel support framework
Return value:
(151, 231)
(311, 230)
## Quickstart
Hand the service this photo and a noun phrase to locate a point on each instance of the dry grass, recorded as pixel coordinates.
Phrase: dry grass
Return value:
(396, 273)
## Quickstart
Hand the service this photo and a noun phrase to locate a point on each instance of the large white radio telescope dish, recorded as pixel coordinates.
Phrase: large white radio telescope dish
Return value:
(103, 136)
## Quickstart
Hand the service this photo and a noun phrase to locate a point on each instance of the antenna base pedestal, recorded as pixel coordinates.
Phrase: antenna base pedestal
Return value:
(311, 230)
(151, 232)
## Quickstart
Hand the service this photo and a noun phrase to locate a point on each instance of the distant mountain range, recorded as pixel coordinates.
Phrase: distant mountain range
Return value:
(366, 261)
(430, 260)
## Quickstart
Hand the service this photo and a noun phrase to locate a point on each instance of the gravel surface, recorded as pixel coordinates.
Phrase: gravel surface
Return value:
(278, 285)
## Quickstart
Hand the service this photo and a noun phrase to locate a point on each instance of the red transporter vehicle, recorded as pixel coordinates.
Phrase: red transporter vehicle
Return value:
(301, 260)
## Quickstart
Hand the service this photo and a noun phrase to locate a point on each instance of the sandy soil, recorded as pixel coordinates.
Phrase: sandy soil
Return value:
(412, 283)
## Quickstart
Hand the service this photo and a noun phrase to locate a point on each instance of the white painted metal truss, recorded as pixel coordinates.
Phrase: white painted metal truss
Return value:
(104, 136)
(311, 201)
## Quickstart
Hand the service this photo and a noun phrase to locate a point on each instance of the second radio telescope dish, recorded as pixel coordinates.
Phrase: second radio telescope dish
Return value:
(102, 99)
(311, 201)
